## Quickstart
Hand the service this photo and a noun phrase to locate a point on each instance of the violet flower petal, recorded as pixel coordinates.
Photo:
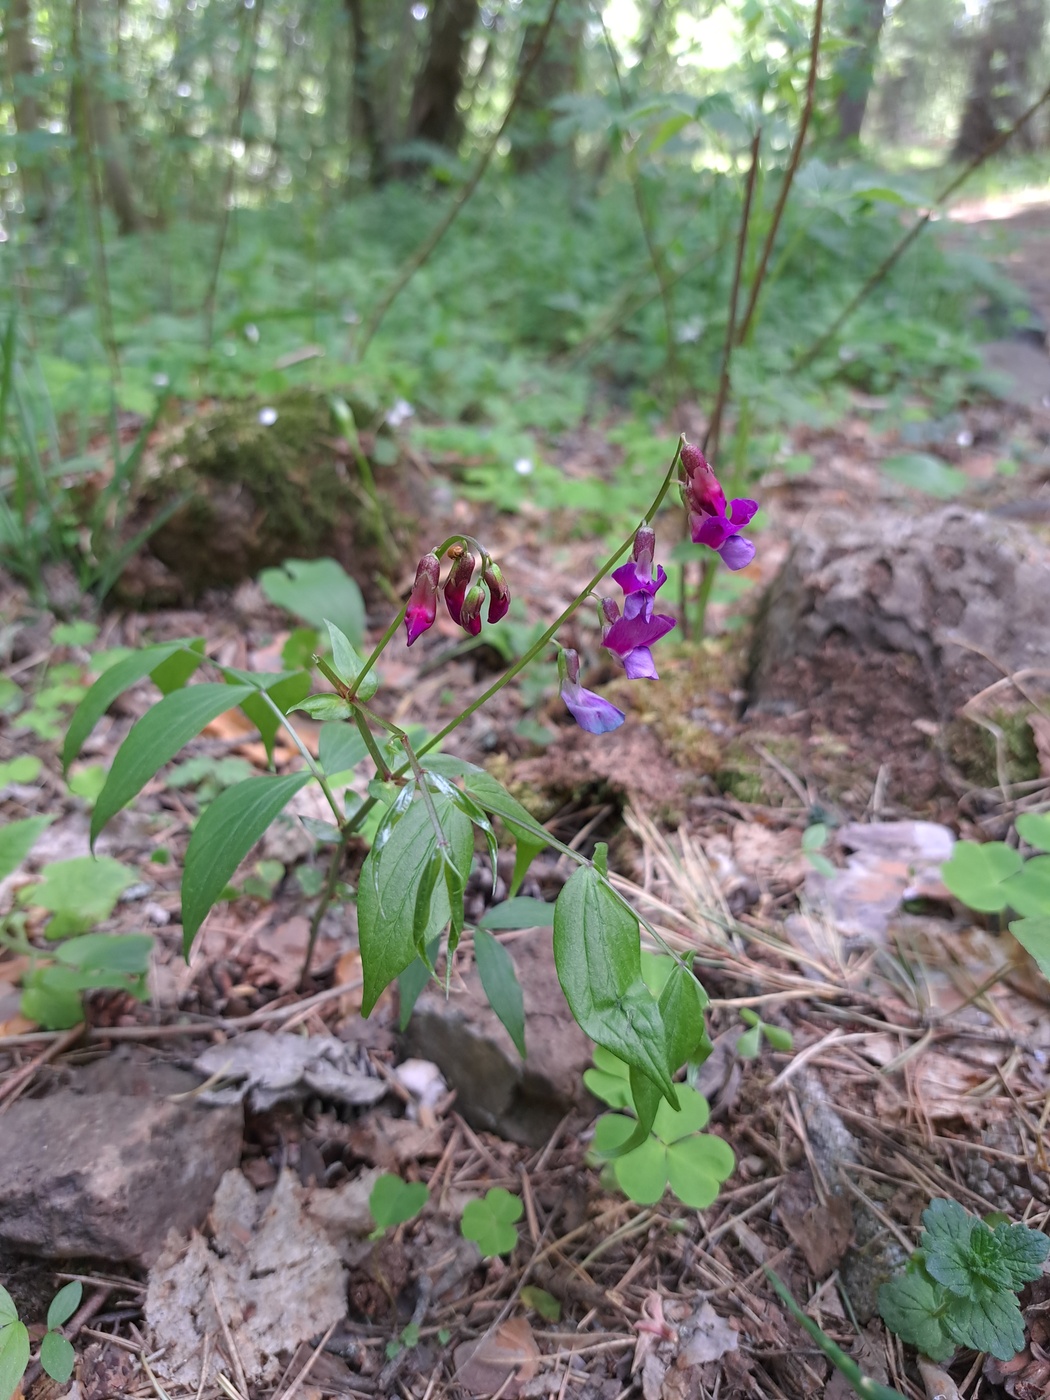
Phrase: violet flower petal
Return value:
(639, 665)
(590, 711)
(632, 580)
(741, 511)
(736, 552)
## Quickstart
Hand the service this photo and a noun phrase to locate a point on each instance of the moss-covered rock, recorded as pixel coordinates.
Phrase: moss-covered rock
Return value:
(974, 750)
(261, 482)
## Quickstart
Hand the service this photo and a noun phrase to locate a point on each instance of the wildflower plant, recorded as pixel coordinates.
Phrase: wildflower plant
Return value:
(425, 809)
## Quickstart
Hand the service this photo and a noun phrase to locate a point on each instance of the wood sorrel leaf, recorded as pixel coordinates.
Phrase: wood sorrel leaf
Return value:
(389, 885)
(976, 872)
(157, 737)
(597, 952)
(120, 677)
(226, 832)
(501, 986)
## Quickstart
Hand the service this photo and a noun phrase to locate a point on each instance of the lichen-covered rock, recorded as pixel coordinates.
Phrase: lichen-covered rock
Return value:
(264, 480)
(961, 592)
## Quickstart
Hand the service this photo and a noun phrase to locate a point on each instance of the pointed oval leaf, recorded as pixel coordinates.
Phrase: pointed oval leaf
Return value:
(57, 1357)
(349, 664)
(388, 889)
(501, 986)
(156, 738)
(17, 839)
(521, 912)
(64, 1304)
(339, 748)
(597, 953)
(14, 1356)
(222, 838)
(106, 689)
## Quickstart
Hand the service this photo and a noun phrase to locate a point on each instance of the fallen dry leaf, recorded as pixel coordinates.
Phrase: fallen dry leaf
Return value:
(822, 1232)
(486, 1366)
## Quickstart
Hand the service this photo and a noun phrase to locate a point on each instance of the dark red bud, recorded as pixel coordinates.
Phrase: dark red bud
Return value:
(470, 612)
(458, 581)
(499, 593)
(421, 609)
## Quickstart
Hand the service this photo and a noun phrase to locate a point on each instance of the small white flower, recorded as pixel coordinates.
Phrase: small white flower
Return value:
(251, 333)
(401, 412)
(161, 381)
(267, 417)
(524, 466)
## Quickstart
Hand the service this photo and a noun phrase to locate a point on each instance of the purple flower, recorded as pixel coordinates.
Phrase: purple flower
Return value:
(629, 637)
(470, 613)
(589, 710)
(711, 522)
(636, 576)
(499, 593)
(421, 609)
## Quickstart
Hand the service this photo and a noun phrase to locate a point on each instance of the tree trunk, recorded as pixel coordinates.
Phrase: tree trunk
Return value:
(434, 115)
(855, 67)
(21, 73)
(555, 75)
(91, 119)
(1007, 50)
(364, 114)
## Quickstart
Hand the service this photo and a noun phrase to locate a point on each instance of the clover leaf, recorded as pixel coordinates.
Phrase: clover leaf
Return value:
(976, 872)
(490, 1222)
(393, 1201)
(676, 1154)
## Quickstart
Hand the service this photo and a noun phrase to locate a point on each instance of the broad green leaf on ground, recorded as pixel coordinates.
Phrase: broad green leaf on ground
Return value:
(1033, 936)
(501, 985)
(677, 1154)
(991, 1323)
(520, 912)
(348, 663)
(923, 472)
(23, 769)
(112, 683)
(14, 1351)
(156, 738)
(79, 892)
(1034, 827)
(913, 1307)
(597, 952)
(64, 1304)
(1029, 890)
(17, 839)
(57, 1357)
(542, 1302)
(389, 885)
(316, 590)
(490, 1222)
(976, 874)
(340, 748)
(121, 953)
(393, 1201)
(226, 832)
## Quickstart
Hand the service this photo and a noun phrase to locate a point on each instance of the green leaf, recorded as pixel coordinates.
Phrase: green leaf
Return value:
(173, 673)
(285, 691)
(298, 650)
(8, 1311)
(1032, 934)
(54, 1008)
(946, 1242)
(64, 1304)
(991, 1323)
(393, 1201)
(340, 748)
(922, 472)
(696, 1168)
(913, 1306)
(57, 1357)
(597, 950)
(80, 892)
(315, 590)
(411, 982)
(539, 1300)
(520, 912)
(692, 1113)
(226, 832)
(24, 769)
(501, 985)
(126, 954)
(609, 1080)
(1021, 1252)
(490, 1222)
(325, 707)
(106, 689)
(747, 1045)
(14, 1356)
(17, 839)
(1029, 890)
(529, 836)
(778, 1037)
(814, 837)
(976, 872)
(682, 1003)
(642, 1173)
(156, 738)
(388, 887)
(87, 782)
(348, 665)
(1035, 829)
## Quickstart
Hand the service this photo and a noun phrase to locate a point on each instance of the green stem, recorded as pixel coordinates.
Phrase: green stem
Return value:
(323, 903)
(703, 595)
(311, 763)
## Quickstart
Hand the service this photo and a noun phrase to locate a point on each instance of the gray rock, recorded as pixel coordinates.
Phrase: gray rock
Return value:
(950, 587)
(520, 1100)
(107, 1174)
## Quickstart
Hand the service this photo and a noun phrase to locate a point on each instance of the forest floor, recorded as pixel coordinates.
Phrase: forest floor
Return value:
(920, 1044)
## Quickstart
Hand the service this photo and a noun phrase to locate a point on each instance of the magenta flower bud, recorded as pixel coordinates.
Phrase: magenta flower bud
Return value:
(499, 593)
(422, 601)
(711, 521)
(637, 576)
(458, 580)
(470, 612)
(589, 710)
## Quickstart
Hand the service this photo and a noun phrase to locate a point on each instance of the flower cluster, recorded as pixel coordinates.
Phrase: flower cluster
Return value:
(464, 593)
(711, 522)
(627, 636)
